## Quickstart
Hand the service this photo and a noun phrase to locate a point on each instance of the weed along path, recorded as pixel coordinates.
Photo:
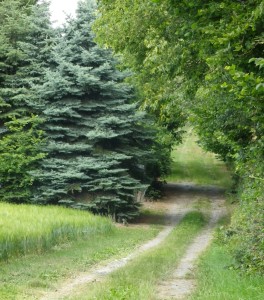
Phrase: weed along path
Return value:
(179, 200)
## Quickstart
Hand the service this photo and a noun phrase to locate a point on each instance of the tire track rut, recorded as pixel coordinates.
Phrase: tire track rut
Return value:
(182, 283)
(178, 201)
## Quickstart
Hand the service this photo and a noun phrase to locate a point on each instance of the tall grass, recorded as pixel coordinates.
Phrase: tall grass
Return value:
(38, 274)
(28, 228)
(192, 164)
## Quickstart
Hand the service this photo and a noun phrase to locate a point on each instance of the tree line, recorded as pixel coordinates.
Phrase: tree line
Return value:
(70, 128)
(202, 61)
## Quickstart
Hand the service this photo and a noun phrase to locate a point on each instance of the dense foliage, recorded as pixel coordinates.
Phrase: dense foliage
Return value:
(23, 31)
(71, 131)
(144, 33)
(205, 58)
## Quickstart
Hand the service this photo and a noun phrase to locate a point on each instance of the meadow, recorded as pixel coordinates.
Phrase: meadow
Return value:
(28, 228)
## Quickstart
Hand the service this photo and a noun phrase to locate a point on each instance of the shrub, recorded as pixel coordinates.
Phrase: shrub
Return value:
(245, 235)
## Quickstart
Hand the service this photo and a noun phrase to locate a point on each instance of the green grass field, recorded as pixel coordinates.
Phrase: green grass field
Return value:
(192, 164)
(27, 228)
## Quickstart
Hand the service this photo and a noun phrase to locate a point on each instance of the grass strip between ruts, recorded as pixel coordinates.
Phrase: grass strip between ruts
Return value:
(137, 280)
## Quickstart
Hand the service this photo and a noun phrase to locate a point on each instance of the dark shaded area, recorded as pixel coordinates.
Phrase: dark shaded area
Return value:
(178, 198)
(191, 189)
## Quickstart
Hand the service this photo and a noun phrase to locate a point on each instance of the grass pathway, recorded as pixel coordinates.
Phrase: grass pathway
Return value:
(135, 276)
(192, 164)
(176, 210)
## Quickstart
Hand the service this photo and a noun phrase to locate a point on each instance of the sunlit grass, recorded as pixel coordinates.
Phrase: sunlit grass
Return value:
(30, 277)
(192, 164)
(28, 228)
(218, 281)
(138, 279)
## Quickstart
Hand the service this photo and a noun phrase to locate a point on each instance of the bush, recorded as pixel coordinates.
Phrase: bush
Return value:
(245, 235)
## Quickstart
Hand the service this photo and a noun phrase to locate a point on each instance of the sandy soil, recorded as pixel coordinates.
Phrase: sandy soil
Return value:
(177, 202)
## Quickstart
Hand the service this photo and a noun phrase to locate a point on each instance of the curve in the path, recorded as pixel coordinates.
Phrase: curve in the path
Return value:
(176, 208)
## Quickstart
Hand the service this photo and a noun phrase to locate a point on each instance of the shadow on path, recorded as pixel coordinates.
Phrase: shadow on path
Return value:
(178, 200)
(178, 189)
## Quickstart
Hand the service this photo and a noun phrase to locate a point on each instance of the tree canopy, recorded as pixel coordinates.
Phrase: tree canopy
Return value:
(202, 60)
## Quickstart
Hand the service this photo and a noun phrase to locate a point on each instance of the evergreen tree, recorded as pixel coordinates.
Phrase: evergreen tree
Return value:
(24, 39)
(96, 143)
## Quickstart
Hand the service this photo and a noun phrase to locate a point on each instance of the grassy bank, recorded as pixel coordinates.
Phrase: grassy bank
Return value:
(192, 164)
(136, 280)
(218, 281)
(28, 228)
(28, 278)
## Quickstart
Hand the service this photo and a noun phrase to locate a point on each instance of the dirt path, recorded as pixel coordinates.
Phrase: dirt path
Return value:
(182, 283)
(178, 201)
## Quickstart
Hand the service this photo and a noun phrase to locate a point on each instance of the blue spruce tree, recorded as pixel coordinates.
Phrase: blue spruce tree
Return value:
(96, 140)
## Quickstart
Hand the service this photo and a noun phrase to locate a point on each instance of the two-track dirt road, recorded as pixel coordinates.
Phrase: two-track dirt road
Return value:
(179, 199)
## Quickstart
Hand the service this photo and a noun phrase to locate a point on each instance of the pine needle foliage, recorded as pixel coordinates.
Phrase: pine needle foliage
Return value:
(96, 139)
(24, 38)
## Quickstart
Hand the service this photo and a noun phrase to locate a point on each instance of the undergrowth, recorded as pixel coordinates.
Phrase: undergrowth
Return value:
(245, 235)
